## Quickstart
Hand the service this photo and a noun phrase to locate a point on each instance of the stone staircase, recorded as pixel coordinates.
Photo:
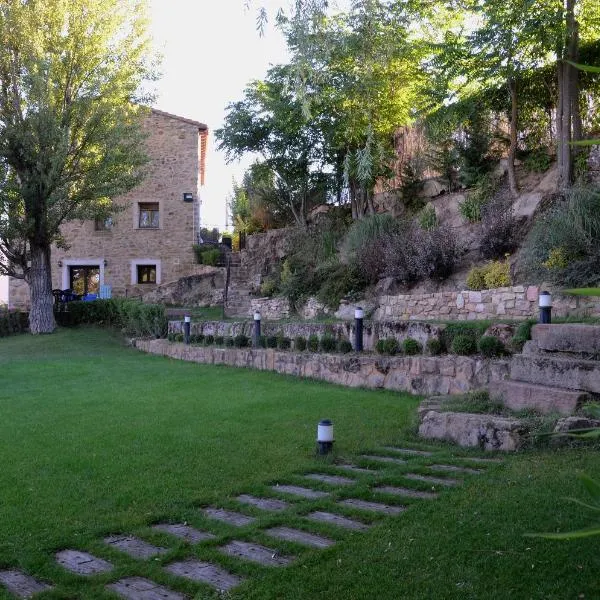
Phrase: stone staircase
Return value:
(557, 372)
(239, 292)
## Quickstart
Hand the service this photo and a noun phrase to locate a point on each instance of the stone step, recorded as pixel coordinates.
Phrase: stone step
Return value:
(372, 506)
(337, 520)
(256, 553)
(330, 479)
(557, 372)
(355, 469)
(204, 572)
(447, 481)
(567, 337)
(295, 490)
(455, 469)
(139, 588)
(272, 504)
(185, 532)
(518, 395)
(408, 451)
(383, 459)
(228, 516)
(300, 537)
(405, 492)
(22, 585)
(82, 563)
(134, 547)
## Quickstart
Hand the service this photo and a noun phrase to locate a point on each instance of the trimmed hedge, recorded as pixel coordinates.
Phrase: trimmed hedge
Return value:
(12, 322)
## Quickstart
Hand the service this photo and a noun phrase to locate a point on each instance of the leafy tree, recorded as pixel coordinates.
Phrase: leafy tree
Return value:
(70, 136)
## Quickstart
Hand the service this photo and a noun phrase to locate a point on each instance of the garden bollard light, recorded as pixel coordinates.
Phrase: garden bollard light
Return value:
(187, 323)
(359, 314)
(256, 334)
(545, 304)
(325, 436)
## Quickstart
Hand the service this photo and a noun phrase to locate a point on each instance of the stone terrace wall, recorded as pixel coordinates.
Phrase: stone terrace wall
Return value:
(518, 302)
(417, 374)
(372, 331)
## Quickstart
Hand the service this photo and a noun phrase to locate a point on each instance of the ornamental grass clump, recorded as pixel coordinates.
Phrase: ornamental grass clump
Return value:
(411, 347)
(464, 345)
(299, 343)
(328, 343)
(344, 346)
(491, 346)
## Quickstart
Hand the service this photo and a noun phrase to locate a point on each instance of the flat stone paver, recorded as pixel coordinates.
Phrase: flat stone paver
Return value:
(296, 490)
(406, 492)
(455, 469)
(356, 469)
(373, 506)
(338, 520)
(301, 537)
(138, 588)
(434, 480)
(229, 517)
(196, 570)
(477, 459)
(22, 585)
(185, 532)
(134, 547)
(409, 451)
(384, 459)
(330, 479)
(82, 563)
(264, 503)
(256, 553)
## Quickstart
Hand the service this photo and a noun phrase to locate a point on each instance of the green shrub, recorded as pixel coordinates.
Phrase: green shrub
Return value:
(493, 275)
(387, 346)
(410, 346)
(171, 337)
(522, 335)
(434, 346)
(380, 346)
(209, 340)
(262, 341)
(179, 337)
(338, 281)
(241, 341)
(490, 346)
(219, 340)
(229, 342)
(327, 343)
(205, 255)
(313, 343)
(464, 344)
(537, 161)
(299, 343)
(427, 218)
(197, 338)
(269, 286)
(271, 341)
(476, 278)
(344, 346)
(470, 208)
(473, 329)
(284, 342)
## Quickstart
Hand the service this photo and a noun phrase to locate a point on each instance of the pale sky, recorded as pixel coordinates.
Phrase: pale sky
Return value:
(211, 50)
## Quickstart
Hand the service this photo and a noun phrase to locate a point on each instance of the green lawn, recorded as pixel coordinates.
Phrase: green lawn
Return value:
(96, 438)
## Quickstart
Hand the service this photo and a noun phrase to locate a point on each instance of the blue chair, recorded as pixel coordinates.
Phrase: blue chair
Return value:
(89, 297)
(105, 292)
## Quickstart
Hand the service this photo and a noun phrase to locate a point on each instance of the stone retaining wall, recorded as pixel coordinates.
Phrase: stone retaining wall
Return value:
(417, 374)
(372, 331)
(517, 302)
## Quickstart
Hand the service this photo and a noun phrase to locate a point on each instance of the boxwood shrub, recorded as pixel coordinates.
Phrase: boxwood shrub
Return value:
(411, 347)
(299, 343)
(464, 344)
(313, 343)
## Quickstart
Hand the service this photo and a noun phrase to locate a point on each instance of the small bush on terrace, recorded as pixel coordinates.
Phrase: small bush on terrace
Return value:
(313, 343)
(12, 322)
(328, 343)
(299, 344)
(271, 341)
(464, 344)
(284, 343)
(434, 346)
(411, 347)
(493, 275)
(490, 346)
(387, 346)
(498, 229)
(344, 346)
(241, 341)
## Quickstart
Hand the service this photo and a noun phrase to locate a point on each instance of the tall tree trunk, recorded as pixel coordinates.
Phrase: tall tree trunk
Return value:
(370, 204)
(512, 150)
(41, 315)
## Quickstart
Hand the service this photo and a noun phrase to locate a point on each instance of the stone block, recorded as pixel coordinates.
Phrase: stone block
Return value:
(475, 297)
(518, 395)
(532, 293)
(295, 490)
(272, 504)
(22, 585)
(488, 432)
(567, 337)
(445, 481)
(337, 520)
(183, 531)
(377, 507)
(227, 516)
(255, 553)
(330, 479)
(384, 459)
(300, 537)
(138, 588)
(134, 547)
(405, 492)
(82, 563)
(204, 572)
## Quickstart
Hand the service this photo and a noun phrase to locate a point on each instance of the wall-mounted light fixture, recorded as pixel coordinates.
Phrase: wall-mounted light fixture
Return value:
(188, 197)
(60, 263)
(105, 263)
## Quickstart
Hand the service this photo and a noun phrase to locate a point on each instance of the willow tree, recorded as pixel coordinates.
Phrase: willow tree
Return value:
(71, 72)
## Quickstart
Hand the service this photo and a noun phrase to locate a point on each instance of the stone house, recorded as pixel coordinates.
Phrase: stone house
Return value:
(150, 241)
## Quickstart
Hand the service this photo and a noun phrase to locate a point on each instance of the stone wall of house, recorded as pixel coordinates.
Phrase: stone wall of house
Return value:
(174, 146)
(18, 294)
(372, 331)
(517, 302)
(417, 375)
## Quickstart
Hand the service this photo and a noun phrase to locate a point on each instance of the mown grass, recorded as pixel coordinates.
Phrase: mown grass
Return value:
(96, 438)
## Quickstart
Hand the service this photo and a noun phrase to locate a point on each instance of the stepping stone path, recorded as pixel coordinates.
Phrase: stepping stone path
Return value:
(134, 547)
(299, 491)
(263, 503)
(408, 451)
(204, 572)
(185, 532)
(373, 506)
(229, 517)
(82, 563)
(406, 492)
(138, 588)
(330, 479)
(434, 480)
(256, 553)
(385, 459)
(301, 537)
(455, 469)
(338, 520)
(356, 469)
(22, 585)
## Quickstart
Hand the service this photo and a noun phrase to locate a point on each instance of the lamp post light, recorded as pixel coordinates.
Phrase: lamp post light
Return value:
(256, 332)
(325, 436)
(359, 315)
(187, 325)
(545, 304)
